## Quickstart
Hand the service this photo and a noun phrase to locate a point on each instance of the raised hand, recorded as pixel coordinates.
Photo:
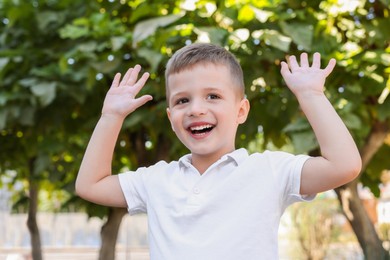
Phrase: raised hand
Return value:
(305, 79)
(121, 97)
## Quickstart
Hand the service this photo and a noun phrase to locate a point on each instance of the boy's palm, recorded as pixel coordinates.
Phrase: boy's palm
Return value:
(121, 97)
(304, 78)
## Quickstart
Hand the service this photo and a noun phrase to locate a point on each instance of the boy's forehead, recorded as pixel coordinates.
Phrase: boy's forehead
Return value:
(225, 70)
(198, 65)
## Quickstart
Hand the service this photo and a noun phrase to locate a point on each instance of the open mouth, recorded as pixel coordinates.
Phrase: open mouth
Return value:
(201, 129)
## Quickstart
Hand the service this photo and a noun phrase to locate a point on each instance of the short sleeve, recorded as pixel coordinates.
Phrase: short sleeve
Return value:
(133, 189)
(293, 195)
(288, 170)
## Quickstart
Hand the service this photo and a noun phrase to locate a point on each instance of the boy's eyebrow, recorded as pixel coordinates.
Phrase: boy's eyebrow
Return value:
(173, 96)
(180, 93)
(213, 89)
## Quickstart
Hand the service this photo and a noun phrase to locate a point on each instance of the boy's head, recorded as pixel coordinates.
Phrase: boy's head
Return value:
(206, 103)
(203, 54)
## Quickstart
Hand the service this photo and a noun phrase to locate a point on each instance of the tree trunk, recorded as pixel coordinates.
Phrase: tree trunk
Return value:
(109, 233)
(353, 207)
(361, 224)
(32, 225)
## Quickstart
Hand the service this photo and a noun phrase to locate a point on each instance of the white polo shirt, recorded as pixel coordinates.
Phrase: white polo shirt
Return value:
(231, 211)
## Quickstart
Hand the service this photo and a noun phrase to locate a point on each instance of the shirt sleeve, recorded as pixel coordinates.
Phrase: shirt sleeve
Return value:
(288, 170)
(294, 194)
(133, 189)
(138, 186)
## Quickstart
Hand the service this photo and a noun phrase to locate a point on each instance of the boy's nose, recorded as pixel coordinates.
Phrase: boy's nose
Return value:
(197, 108)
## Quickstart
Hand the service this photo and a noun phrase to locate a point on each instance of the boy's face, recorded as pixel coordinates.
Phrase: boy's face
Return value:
(205, 109)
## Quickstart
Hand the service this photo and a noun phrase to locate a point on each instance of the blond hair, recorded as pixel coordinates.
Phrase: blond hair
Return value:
(203, 53)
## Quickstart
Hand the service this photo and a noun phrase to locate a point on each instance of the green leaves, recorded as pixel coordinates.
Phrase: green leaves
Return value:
(74, 31)
(117, 42)
(273, 38)
(47, 18)
(44, 91)
(301, 34)
(146, 28)
(57, 61)
(153, 57)
(302, 136)
(3, 63)
(97, 25)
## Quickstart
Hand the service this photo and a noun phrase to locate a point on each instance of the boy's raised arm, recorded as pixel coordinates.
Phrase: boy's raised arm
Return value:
(94, 181)
(340, 160)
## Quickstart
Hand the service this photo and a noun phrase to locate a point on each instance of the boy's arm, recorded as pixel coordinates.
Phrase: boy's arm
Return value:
(94, 181)
(340, 160)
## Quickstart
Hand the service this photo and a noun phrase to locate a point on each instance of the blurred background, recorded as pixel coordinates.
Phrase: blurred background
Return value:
(58, 58)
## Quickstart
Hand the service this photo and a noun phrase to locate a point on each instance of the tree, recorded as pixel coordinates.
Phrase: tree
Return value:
(52, 88)
(39, 102)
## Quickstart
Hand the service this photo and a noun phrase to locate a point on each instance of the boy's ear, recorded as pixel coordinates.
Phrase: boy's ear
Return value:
(243, 111)
(169, 117)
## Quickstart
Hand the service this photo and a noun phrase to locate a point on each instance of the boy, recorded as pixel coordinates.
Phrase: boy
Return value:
(217, 202)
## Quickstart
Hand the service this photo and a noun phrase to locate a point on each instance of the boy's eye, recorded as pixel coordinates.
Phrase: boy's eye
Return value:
(181, 101)
(212, 96)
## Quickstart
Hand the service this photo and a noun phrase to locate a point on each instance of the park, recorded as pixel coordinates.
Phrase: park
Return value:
(59, 57)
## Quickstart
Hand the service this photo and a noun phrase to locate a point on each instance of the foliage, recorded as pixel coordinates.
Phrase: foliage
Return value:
(38, 101)
(58, 57)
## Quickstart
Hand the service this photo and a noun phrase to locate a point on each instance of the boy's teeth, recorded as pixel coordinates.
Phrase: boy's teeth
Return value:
(201, 127)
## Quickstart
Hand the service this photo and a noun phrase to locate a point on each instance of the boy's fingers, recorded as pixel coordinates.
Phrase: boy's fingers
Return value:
(330, 67)
(293, 63)
(141, 82)
(115, 82)
(132, 79)
(284, 69)
(142, 100)
(304, 60)
(316, 60)
(126, 77)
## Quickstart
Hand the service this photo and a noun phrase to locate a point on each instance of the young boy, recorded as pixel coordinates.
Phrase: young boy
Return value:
(217, 202)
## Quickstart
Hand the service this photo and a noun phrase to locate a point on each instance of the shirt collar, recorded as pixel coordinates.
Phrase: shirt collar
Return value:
(237, 156)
